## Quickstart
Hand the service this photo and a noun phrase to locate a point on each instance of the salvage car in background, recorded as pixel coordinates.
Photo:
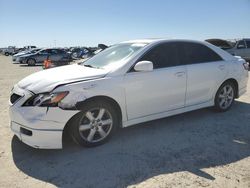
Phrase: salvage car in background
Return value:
(54, 54)
(26, 52)
(78, 53)
(238, 48)
(85, 52)
(126, 84)
(242, 49)
(9, 51)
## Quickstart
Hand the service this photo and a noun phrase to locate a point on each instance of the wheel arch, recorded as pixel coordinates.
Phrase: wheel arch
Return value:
(110, 100)
(235, 83)
(79, 105)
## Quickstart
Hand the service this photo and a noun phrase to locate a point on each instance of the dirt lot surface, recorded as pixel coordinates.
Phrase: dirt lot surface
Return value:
(196, 149)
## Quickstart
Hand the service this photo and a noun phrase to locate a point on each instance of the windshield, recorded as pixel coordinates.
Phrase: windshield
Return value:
(113, 55)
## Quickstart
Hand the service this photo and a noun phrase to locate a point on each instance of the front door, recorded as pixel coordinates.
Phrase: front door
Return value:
(160, 90)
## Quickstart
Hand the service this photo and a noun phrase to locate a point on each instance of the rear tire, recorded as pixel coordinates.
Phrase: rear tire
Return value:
(95, 124)
(6, 53)
(225, 96)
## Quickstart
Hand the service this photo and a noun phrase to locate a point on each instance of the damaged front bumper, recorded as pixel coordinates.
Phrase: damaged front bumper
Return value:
(39, 127)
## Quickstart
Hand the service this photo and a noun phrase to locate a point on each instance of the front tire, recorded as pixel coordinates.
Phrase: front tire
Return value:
(95, 124)
(31, 62)
(225, 96)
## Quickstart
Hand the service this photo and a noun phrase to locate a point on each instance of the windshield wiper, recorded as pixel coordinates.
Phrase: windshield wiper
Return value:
(89, 66)
(92, 66)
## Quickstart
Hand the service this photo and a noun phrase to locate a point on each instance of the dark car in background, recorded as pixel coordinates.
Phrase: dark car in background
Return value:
(54, 54)
(78, 52)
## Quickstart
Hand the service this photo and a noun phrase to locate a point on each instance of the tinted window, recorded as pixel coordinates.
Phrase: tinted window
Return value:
(44, 51)
(192, 53)
(248, 43)
(55, 51)
(48, 51)
(163, 55)
(61, 51)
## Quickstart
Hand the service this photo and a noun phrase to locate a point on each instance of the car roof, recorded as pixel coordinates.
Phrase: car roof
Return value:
(156, 40)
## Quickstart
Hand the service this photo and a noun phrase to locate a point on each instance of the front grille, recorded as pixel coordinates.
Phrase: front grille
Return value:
(14, 97)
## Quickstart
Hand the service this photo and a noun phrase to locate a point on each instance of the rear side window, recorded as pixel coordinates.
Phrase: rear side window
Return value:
(193, 53)
(59, 51)
(163, 55)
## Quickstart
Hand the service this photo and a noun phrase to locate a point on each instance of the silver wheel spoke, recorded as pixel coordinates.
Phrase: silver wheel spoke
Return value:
(221, 96)
(222, 102)
(229, 90)
(225, 90)
(230, 97)
(102, 132)
(101, 113)
(90, 116)
(84, 127)
(91, 135)
(106, 122)
(91, 124)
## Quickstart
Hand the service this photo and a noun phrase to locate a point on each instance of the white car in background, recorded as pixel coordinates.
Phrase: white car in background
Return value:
(126, 84)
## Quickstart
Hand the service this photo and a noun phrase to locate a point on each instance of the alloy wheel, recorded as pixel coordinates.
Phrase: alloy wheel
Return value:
(226, 96)
(95, 125)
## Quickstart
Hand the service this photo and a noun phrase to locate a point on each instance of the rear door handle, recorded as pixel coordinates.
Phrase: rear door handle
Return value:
(222, 67)
(180, 74)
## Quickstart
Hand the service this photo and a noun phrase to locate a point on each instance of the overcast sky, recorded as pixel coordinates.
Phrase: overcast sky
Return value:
(62, 23)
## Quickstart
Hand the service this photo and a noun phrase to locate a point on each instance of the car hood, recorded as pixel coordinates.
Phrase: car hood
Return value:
(47, 80)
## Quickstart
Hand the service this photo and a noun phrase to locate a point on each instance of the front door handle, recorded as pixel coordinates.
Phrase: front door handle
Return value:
(180, 74)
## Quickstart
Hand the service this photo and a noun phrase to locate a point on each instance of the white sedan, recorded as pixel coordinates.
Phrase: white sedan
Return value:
(128, 83)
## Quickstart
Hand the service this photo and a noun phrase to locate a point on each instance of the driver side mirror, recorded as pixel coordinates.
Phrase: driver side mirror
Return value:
(144, 66)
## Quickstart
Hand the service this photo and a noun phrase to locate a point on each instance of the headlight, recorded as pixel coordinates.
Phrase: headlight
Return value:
(46, 99)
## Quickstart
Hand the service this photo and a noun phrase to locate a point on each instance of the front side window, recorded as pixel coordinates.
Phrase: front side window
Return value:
(53, 51)
(163, 55)
(43, 51)
(193, 53)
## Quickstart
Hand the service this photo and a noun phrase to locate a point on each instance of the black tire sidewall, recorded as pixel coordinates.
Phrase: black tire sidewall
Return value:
(217, 106)
(31, 59)
(74, 127)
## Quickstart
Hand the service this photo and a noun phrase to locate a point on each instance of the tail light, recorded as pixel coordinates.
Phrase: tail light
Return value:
(246, 65)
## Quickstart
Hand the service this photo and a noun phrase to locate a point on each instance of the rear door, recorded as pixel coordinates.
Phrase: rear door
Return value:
(205, 70)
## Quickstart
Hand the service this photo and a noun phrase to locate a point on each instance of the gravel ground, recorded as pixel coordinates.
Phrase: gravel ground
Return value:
(195, 149)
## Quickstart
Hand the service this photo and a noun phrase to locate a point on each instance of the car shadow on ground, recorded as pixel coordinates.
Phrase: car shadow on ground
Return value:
(25, 65)
(186, 142)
